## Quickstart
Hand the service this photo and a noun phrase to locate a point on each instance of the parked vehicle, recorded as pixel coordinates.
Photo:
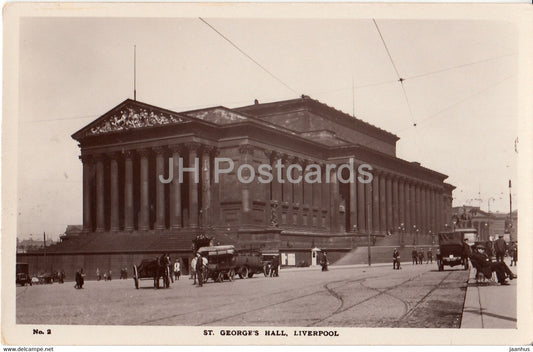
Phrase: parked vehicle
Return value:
(23, 274)
(452, 250)
(248, 263)
(221, 262)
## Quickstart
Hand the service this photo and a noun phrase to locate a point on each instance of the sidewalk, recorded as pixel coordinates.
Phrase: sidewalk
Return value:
(489, 305)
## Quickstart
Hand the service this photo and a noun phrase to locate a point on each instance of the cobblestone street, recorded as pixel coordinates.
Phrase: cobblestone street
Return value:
(416, 296)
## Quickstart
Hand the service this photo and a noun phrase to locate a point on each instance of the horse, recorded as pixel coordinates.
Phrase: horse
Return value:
(161, 270)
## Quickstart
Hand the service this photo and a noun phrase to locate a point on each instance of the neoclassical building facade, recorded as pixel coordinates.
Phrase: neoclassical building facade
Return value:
(133, 209)
(125, 151)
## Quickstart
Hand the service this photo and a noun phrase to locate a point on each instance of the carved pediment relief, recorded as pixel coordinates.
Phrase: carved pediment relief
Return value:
(133, 117)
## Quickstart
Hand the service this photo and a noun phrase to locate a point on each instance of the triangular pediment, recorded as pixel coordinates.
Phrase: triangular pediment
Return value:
(130, 115)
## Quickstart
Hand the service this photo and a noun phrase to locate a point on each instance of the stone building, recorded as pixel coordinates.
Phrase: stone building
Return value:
(128, 212)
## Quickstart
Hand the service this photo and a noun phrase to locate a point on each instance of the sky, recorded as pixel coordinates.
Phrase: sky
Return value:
(457, 112)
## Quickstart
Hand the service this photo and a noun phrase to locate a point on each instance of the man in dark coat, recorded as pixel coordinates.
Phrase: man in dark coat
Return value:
(500, 247)
(414, 254)
(482, 262)
(396, 259)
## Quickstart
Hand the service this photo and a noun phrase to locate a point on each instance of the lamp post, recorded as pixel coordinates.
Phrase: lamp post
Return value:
(414, 234)
(401, 232)
(369, 253)
(354, 229)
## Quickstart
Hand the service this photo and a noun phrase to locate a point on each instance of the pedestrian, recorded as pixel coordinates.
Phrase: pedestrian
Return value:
(170, 268)
(421, 256)
(482, 263)
(500, 247)
(324, 262)
(79, 279)
(109, 275)
(193, 269)
(98, 276)
(429, 256)
(275, 267)
(105, 276)
(201, 267)
(414, 254)
(177, 269)
(514, 254)
(396, 259)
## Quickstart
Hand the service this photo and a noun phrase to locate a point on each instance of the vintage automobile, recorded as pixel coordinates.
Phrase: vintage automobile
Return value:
(248, 263)
(221, 262)
(452, 250)
(153, 269)
(23, 274)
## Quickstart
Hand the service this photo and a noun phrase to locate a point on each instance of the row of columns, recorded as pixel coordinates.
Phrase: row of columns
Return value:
(94, 164)
(390, 201)
(299, 201)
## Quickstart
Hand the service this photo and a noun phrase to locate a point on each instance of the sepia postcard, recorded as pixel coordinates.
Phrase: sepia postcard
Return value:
(267, 174)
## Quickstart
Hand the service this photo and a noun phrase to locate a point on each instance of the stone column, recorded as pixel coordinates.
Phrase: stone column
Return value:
(418, 221)
(401, 202)
(413, 204)
(160, 188)
(368, 204)
(175, 189)
(246, 151)
(353, 203)
(144, 214)
(361, 206)
(382, 202)
(298, 194)
(206, 185)
(326, 196)
(389, 202)
(128, 191)
(192, 149)
(334, 204)
(375, 203)
(407, 199)
(115, 222)
(395, 204)
(88, 172)
(424, 209)
(100, 201)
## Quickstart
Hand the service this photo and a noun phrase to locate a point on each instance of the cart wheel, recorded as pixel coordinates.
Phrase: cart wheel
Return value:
(231, 275)
(243, 273)
(250, 275)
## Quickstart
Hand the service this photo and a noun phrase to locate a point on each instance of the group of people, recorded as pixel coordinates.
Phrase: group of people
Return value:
(198, 269)
(484, 264)
(272, 269)
(107, 275)
(418, 256)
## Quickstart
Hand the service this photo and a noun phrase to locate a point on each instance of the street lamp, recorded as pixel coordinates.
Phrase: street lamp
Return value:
(414, 234)
(369, 254)
(401, 231)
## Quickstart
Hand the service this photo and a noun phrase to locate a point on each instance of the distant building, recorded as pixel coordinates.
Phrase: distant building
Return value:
(488, 225)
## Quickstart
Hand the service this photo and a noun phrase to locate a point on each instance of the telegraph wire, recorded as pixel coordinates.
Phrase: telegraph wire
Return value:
(400, 79)
(248, 56)
(387, 49)
(456, 67)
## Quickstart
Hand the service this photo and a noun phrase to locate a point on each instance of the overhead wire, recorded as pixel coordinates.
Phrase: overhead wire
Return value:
(456, 67)
(248, 56)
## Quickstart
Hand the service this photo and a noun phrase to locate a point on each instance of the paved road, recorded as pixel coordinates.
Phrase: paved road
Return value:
(416, 296)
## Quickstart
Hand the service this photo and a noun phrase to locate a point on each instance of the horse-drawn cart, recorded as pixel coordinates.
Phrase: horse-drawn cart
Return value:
(221, 262)
(152, 269)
